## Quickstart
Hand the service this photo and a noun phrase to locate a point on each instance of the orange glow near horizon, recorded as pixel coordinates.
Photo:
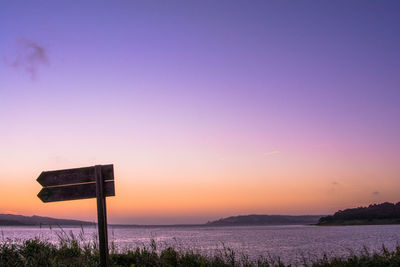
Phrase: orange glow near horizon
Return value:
(211, 191)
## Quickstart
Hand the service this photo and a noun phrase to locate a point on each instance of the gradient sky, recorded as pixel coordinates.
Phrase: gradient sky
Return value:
(206, 108)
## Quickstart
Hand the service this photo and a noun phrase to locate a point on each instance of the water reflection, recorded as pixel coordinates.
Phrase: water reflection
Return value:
(290, 243)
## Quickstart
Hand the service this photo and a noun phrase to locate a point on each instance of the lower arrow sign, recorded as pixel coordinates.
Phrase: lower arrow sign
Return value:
(72, 192)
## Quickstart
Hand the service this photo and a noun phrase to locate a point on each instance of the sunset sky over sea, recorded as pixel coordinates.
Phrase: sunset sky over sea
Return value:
(207, 109)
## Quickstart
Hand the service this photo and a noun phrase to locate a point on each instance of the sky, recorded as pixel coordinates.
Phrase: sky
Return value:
(207, 109)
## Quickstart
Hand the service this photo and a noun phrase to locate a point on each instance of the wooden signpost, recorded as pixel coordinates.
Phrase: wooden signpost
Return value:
(80, 183)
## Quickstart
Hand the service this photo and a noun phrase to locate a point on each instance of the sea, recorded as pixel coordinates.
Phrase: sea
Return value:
(289, 243)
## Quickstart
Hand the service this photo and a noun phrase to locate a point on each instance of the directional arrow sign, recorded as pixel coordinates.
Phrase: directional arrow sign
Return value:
(72, 192)
(88, 182)
(74, 176)
(79, 183)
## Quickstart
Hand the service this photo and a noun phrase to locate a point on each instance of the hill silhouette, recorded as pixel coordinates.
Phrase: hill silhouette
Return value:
(384, 213)
(265, 220)
(11, 219)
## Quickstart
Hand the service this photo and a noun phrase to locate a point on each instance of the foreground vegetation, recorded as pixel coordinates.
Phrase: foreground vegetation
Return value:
(71, 252)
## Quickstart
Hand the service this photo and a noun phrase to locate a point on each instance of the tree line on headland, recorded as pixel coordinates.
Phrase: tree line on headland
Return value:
(385, 213)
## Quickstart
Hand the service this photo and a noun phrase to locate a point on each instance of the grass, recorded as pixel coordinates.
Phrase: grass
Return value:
(73, 250)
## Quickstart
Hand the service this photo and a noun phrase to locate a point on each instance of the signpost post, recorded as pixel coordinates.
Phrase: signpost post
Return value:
(80, 183)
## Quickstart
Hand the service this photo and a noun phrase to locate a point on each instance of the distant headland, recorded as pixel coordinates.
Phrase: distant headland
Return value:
(265, 220)
(242, 220)
(20, 220)
(384, 213)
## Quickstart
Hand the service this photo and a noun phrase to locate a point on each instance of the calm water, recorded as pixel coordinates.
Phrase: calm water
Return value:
(290, 243)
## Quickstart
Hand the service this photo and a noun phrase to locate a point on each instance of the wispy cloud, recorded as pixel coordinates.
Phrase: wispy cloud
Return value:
(272, 153)
(334, 187)
(30, 57)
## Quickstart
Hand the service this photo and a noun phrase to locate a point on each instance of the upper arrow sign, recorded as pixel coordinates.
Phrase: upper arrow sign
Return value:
(74, 176)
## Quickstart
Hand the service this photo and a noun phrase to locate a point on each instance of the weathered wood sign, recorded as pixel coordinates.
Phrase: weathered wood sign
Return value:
(71, 184)
(80, 183)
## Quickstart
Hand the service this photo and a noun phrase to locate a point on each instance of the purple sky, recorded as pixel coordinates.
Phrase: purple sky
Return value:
(176, 89)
